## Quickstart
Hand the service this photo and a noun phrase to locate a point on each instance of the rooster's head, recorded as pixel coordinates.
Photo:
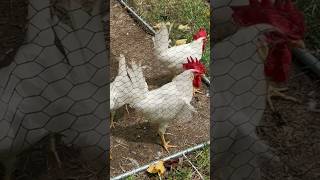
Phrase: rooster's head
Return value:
(289, 31)
(202, 33)
(198, 70)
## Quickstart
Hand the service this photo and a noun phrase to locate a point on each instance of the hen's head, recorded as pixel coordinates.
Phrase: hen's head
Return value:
(198, 70)
(202, 33)
(289, 31)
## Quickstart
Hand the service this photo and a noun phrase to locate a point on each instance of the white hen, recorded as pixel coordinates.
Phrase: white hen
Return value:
(174, 57)
(165, 104)
(120, 89)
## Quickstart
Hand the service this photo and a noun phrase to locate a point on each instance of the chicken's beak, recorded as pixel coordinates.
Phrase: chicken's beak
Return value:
(205, 80)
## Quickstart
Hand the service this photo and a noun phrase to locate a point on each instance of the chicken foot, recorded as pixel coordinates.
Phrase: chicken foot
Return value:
(165, 143)
(113, 114)
(278, 92)
(112, 123)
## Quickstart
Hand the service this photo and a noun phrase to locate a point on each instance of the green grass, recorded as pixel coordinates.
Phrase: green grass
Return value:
(132, 177)
(200, 159)
(311, 10)
(195, 13)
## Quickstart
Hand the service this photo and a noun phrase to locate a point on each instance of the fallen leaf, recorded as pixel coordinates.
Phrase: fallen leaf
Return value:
(181, 41)
(157, 168)
(208, 13)
(184, 27)
(157, 26)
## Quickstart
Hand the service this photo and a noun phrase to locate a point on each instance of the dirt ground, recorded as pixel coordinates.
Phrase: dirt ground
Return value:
(294, 130)
(133, 141)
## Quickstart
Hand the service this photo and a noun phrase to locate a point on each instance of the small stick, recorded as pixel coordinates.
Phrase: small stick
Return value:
(193, 166)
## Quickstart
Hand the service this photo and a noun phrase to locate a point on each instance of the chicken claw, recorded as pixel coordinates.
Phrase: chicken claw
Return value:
(112, 123)
(127, 109)
(165, 143)
(277, 92)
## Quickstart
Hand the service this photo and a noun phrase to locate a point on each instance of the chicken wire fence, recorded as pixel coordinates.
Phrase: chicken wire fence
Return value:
(55, 81)
(249, 140)
(154, 77)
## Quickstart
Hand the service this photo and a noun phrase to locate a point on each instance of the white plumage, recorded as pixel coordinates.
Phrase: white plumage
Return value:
(174, 57)
(120, 88)
(165, 104)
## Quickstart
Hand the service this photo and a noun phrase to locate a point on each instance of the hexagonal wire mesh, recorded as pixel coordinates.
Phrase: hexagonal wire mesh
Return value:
(57, 81)
(161, 88)
(247, 137)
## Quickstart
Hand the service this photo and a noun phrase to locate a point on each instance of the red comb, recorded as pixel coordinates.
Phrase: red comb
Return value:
(201, 33)
(194, 64)
(282, 14)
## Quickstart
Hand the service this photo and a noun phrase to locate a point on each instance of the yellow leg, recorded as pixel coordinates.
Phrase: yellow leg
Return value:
(127, 109)
(165, 143)
(277, 92)
(112, 123)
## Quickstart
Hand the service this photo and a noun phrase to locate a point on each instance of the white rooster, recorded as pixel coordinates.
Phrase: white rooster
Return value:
(243, 83)
(120, 89)
(175, 56)
(169, 102)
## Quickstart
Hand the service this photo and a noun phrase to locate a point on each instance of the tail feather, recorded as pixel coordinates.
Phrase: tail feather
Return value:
(139, 84)
(140, 79)
(161, 39)
(122, 66)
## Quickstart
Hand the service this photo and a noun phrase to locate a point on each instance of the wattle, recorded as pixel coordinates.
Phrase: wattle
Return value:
(278, 61)
(197, 81)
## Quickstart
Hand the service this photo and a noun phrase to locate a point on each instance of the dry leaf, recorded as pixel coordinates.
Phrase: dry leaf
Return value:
(208, 13)
(184, 27)
(157, 26)
(181, 41)
(157, 168)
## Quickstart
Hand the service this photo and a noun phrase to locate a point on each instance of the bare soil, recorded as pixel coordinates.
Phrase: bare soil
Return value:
(293, 131)
(133, 141)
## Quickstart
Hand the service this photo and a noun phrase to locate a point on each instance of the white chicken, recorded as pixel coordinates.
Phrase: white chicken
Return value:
(169, 102)
(242, 86)
(120, 89)
(175, 56)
